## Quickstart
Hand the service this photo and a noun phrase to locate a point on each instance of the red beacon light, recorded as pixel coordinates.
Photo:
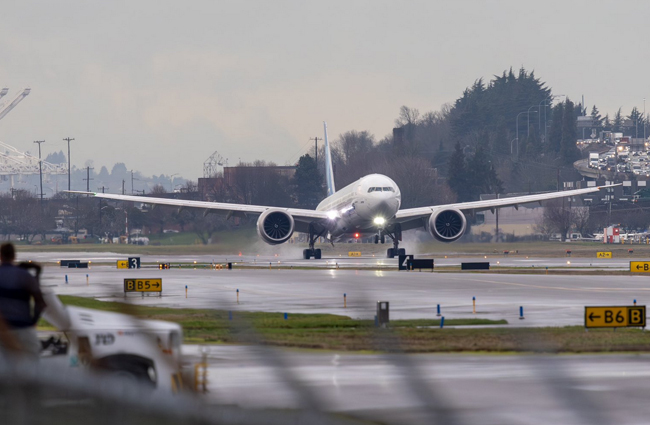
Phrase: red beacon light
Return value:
(356, 235)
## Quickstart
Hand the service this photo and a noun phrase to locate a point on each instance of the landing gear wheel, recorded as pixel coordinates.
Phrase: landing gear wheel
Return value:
(306, 254)
(401, 251)
(317, 254)
(376, 238)
(390, 253)
(383, 239)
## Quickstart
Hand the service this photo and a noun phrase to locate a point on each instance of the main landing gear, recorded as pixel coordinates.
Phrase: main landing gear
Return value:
(312, 252)
(396, 235)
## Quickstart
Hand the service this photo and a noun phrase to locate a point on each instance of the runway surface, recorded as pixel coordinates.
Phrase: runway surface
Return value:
(450, 389)
(407, 389)
(263, 261)
(548, 300)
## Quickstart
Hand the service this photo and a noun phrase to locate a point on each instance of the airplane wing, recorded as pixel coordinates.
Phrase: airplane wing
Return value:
(411, 216)
(298, 214)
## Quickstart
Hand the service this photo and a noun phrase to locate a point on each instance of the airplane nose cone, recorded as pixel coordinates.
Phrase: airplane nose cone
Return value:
(387, 207)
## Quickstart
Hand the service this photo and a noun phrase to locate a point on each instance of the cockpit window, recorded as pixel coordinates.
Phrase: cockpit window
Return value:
(381, 189)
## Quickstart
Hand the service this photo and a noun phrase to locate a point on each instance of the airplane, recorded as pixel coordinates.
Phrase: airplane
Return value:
(369, 205)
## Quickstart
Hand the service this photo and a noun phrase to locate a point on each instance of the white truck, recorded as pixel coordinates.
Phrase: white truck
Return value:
(144, 350)
(593, 159)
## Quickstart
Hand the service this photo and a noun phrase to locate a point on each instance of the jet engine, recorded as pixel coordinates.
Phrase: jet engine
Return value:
(275, 226)
(447, 225)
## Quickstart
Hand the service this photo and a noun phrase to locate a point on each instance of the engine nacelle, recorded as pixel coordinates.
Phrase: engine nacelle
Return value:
(447, 225)
(275, 226)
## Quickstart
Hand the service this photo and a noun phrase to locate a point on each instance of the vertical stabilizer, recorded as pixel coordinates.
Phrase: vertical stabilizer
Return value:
(329, 173)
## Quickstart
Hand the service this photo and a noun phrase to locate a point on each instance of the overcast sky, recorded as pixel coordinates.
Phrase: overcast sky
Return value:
(160, 85)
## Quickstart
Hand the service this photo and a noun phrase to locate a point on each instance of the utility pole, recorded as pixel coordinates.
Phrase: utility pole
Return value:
(88, 179)
(40, 166)
(132, 178)
(100, 209)
(68, 139)
(316, 139)
(122, 186)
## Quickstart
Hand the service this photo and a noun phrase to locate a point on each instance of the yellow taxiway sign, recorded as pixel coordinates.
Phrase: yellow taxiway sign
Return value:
(615, 317)
(640, 266)
(603, 255)
(142, 285)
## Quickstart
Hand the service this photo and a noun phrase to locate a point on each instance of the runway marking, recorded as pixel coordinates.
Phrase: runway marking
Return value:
(562, 288)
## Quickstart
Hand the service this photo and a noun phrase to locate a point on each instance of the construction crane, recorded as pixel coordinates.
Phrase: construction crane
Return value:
(210, 165)
(4, 108)
(14, 162)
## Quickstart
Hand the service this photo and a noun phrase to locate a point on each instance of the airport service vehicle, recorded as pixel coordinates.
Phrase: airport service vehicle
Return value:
(145, 350)
(370, 205)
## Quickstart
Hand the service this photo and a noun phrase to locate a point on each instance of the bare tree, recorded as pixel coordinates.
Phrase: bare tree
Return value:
(407, 116)
(558, 216)
(581, 219)
(158, 190)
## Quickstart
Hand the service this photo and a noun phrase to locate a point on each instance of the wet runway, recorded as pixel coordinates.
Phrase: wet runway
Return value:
(450, 389)
(413, 389)
(263, 261)
(548, 300)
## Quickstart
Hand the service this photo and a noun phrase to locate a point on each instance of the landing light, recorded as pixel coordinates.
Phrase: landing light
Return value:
(332, 215)
(379, 221)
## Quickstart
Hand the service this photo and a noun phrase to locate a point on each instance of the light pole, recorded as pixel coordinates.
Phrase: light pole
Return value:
(539, 117)
(553, 96)
(511, 145)
(644, 121)
(68, 139)
(517, 138)
(528, 112)
(40, 166)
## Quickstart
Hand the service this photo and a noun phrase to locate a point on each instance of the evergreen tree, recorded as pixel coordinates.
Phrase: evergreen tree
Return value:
(607, 124)
(308, 182)
(457, 173)
(568, 149)
(478, 174)
(637, 121)
(617, 125)
(493, 184)
(596, 120)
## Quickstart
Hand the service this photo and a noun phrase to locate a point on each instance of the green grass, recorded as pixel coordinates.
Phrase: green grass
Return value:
(333, 332)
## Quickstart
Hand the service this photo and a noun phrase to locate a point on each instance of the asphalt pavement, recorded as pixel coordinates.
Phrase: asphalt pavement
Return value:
(449, 389)
(548, 300)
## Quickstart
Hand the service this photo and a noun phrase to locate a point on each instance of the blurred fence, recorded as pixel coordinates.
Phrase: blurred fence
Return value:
(34, 393)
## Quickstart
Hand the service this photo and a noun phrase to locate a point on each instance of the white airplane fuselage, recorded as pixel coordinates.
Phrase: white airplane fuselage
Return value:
(366, 204)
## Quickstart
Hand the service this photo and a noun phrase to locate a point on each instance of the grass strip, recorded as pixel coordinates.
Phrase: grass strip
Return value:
(333, 332)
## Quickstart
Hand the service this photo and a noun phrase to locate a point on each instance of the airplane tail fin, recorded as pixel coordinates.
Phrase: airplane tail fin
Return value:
(329, 172)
